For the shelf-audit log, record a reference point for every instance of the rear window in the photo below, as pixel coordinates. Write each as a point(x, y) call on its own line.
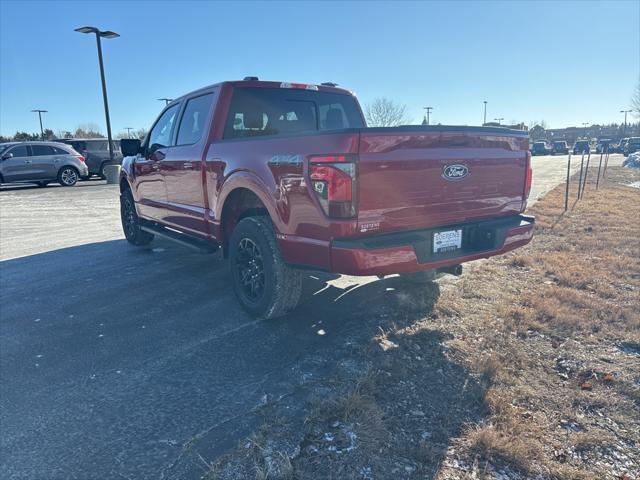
point(60, 151)
point(97, 146)
point(284, 111)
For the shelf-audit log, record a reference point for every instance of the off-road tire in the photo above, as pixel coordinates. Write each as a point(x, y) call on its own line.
point(131, 223)
point(422, 277)
point(68, 176)
point(281, 284)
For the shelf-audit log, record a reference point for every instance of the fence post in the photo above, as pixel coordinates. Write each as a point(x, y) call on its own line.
point(606, 163)
point(600, 166)
point(580, 179)
point(566, 190)
point(586, 172)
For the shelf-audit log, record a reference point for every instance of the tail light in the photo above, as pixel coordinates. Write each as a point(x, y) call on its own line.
point(333, 179)
point(80, 157)
point(528, 176)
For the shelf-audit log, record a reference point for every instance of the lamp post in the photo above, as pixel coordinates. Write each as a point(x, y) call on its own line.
point(40, 112)
point(128, 129)
point(102, 34)
point(498, 120)
point(584, 129)
point(485, 112)
point(624, 129)
point(166, 100)
point(428, 109)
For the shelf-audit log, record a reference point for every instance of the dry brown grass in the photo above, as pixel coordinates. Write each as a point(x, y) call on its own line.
point(491, 380)
point(562, 401)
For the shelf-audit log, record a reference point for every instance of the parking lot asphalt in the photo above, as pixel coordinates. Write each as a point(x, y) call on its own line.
point(118, 362)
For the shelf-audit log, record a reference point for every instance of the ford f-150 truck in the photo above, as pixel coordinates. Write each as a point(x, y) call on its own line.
point(285, 177)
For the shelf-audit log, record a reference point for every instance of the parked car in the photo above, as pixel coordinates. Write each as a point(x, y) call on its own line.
point(560, 147)
point(581, 146)
point(604, 145)
point(622, 144)
point(540, 148)
point(41, 163)
point(96, 153)
point(631, 145)
point(286, 176)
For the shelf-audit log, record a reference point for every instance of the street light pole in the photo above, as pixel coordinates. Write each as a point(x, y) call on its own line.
point(485, 112)
point(584, 129)
point(166, 100)
point(428, 109)
point(100, 34)
point(40, 112)
point(498, 120)
point(128, 129)
point(624, 129)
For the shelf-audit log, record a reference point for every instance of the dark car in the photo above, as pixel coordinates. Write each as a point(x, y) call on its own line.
point(560, 147)
point(604, 145)
point(632, 145)
point(96, 153)
point(622, 144)
point(581, 146)
point(286, 176)
point(540, 148)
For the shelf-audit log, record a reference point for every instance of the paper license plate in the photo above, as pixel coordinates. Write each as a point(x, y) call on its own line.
point(447, 241)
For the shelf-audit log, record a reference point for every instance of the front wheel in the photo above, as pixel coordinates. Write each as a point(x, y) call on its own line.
point(68, 176)
point(101, 173)
point(131, 223)
point(265, 286)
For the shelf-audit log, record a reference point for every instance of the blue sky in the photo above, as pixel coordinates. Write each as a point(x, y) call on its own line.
point(565, 63)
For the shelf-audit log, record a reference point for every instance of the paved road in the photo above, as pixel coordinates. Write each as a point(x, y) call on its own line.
point(118, 362)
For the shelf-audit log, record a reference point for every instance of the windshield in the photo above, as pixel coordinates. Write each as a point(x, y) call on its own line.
point(4, 146)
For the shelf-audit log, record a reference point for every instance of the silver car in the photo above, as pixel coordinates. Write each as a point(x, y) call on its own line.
point(41, 163)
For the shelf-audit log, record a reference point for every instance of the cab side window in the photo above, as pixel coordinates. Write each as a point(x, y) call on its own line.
point(193, 122)
point(163, 129)
point(41, 150)
point(19, 151)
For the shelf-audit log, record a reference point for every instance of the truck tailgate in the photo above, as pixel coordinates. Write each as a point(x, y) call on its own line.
point(420, 177)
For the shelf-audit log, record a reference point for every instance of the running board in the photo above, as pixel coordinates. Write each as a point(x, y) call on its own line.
point(181, 238)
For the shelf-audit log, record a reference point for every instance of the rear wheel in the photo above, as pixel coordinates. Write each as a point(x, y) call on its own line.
point(265, 286)
point(68, 176)
point(102, 174)
point(131, 223)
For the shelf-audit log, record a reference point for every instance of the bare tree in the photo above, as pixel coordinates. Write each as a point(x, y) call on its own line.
point(140, 133)
point(383, 112)
point(635, 100)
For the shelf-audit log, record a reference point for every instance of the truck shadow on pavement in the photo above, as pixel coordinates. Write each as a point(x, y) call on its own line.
point(140, 363)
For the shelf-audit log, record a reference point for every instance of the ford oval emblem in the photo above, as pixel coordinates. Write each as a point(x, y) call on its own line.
point(455, 172)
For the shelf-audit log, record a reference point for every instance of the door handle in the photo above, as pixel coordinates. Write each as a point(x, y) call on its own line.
point(28, 161)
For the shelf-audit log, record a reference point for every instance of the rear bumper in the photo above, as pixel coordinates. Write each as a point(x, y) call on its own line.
point(413, 251)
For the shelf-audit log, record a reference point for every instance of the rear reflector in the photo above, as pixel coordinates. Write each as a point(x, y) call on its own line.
point(333, 180)
point(80, 157)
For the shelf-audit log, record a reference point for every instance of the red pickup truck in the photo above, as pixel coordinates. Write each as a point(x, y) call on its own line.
point(287, 176)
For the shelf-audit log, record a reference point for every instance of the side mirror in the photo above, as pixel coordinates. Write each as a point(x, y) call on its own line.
point(130, 146)
point(7, 156)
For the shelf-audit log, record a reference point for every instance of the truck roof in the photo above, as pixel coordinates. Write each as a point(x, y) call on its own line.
point(268, 84)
